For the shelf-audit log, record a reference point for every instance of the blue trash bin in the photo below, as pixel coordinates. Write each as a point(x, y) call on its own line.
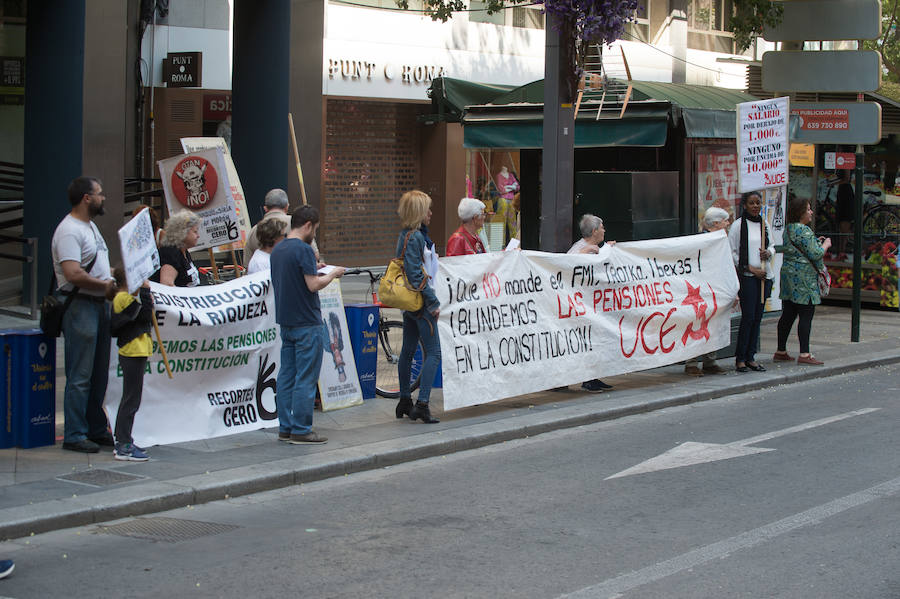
point(7, 425)
point(362, 323)
point(31, 386)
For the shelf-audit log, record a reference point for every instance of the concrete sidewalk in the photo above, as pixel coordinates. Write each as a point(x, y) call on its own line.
point(46, 488)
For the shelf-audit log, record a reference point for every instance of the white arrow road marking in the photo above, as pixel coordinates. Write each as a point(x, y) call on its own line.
point(616, 587)
point(691, 453)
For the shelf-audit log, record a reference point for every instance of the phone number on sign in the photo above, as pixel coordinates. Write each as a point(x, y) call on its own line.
point(826, 125)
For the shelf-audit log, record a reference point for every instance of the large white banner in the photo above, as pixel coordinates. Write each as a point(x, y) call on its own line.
point(224, 351)
point(519, 322)
point(762, 141)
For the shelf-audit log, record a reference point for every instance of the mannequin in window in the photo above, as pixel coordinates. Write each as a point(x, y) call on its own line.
point(508, 187)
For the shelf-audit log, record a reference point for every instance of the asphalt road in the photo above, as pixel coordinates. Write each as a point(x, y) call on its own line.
point(791, 492)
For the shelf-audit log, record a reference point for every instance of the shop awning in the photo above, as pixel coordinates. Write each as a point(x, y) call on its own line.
point(705, 111)
point(449, 97)
point(521, 126)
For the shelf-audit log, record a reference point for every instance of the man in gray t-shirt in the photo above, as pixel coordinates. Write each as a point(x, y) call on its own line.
point(81, 260)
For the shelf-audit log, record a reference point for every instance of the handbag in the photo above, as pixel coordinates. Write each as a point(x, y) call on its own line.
point(53, 310)
point(395, 290)
point(823, 277)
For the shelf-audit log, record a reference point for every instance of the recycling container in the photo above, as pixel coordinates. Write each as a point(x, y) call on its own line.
point(29, 390)
point(362, 322)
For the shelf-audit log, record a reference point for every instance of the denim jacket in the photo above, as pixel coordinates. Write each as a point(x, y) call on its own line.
point(414, 267)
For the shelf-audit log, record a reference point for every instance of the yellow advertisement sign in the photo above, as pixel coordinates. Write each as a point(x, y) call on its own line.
point(803, 155)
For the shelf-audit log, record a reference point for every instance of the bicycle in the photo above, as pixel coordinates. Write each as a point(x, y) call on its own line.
point(390, 340)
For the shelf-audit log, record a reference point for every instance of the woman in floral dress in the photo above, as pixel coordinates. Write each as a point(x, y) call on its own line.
point(799, 285)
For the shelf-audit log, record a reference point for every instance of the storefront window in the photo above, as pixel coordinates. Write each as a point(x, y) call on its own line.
point(716, 179)
point(493, 178)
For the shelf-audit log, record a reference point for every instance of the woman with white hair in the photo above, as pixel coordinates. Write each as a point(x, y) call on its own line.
point(465, 239)
point(714, 219)
point(181, 234)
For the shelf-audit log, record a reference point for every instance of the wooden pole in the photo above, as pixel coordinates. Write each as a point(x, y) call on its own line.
point(297, 159)
point(159, 342)
point(237, 270)
point(212, 262)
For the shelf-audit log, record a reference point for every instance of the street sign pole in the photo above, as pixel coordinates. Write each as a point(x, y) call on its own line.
point(856, 302)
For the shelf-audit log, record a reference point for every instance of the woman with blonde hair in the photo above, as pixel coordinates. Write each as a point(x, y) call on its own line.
point(414, 247)
point(181, 234)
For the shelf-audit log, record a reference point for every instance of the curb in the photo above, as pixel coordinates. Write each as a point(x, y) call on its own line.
point(157, 496)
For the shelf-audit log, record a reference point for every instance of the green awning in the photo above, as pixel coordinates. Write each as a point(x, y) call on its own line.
point(450, 96)
point(522, 127)
point(700, 122)
point(686, 95)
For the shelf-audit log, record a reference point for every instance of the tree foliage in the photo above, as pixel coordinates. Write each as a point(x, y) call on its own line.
point(750, 18)
point(889, 42)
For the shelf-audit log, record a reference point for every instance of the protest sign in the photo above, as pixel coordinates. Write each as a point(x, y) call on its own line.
point(520, 322)
point(763, 146)
point(338, 381)
point(774, 214)
point(224, 350)
point(195, 144)
point(199, 182)
point(139, 254)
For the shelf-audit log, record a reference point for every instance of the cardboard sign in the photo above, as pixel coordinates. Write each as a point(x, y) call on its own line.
point(139, 253)
point(762, 140)
point(199, 182)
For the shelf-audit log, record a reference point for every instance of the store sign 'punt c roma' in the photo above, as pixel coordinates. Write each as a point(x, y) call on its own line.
point(194, 182)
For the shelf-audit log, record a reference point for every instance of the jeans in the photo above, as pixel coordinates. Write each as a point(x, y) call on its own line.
point(751, 315)
point(789, 312)
point(295, 388)
point(424, 328)
point(132, 389)
point(85, 328)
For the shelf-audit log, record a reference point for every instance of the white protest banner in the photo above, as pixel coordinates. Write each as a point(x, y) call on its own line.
point(520, 322)
point(338, 381)
point(763, 146)
point(139, 253)
point(199, 182)
point(195, 144)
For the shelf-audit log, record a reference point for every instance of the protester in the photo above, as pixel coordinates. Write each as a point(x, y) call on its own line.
point(81, 260)
point(131, 322)
point(176, 267)
point(6, 567)
point(748, 253)
point(592, 239)
point(275, 207)
point(268, 233)
point(296, 283)
point(799, 280)
point(415, 211)
point(714, 219)
point(465, 239)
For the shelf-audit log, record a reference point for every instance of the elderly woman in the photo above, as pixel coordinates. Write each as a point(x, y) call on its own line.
point(750, 247)
point(465, 239)
point(714, 219)
point(268, 233)
point(415, 212)
point(181, 234)
point(799, 280)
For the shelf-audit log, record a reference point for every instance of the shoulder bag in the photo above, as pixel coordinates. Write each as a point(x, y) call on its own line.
point(53, 310)
point(823, 277)
point(395, 290)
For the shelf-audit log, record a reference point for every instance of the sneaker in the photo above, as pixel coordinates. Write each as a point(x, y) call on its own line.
point(129, 452)
point(6, 567)
point(83, 446)
point(810, 359)
point(284, 436)
point(782, 356)
point(595, 386)
point(692, 370)
point(310, 438)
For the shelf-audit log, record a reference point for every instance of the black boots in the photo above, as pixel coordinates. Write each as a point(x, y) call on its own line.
point(403, 407)
point(421, 410)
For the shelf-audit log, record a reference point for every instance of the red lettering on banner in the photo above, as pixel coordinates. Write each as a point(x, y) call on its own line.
point(576, 306)
point(644, 336)
point(663, 331)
